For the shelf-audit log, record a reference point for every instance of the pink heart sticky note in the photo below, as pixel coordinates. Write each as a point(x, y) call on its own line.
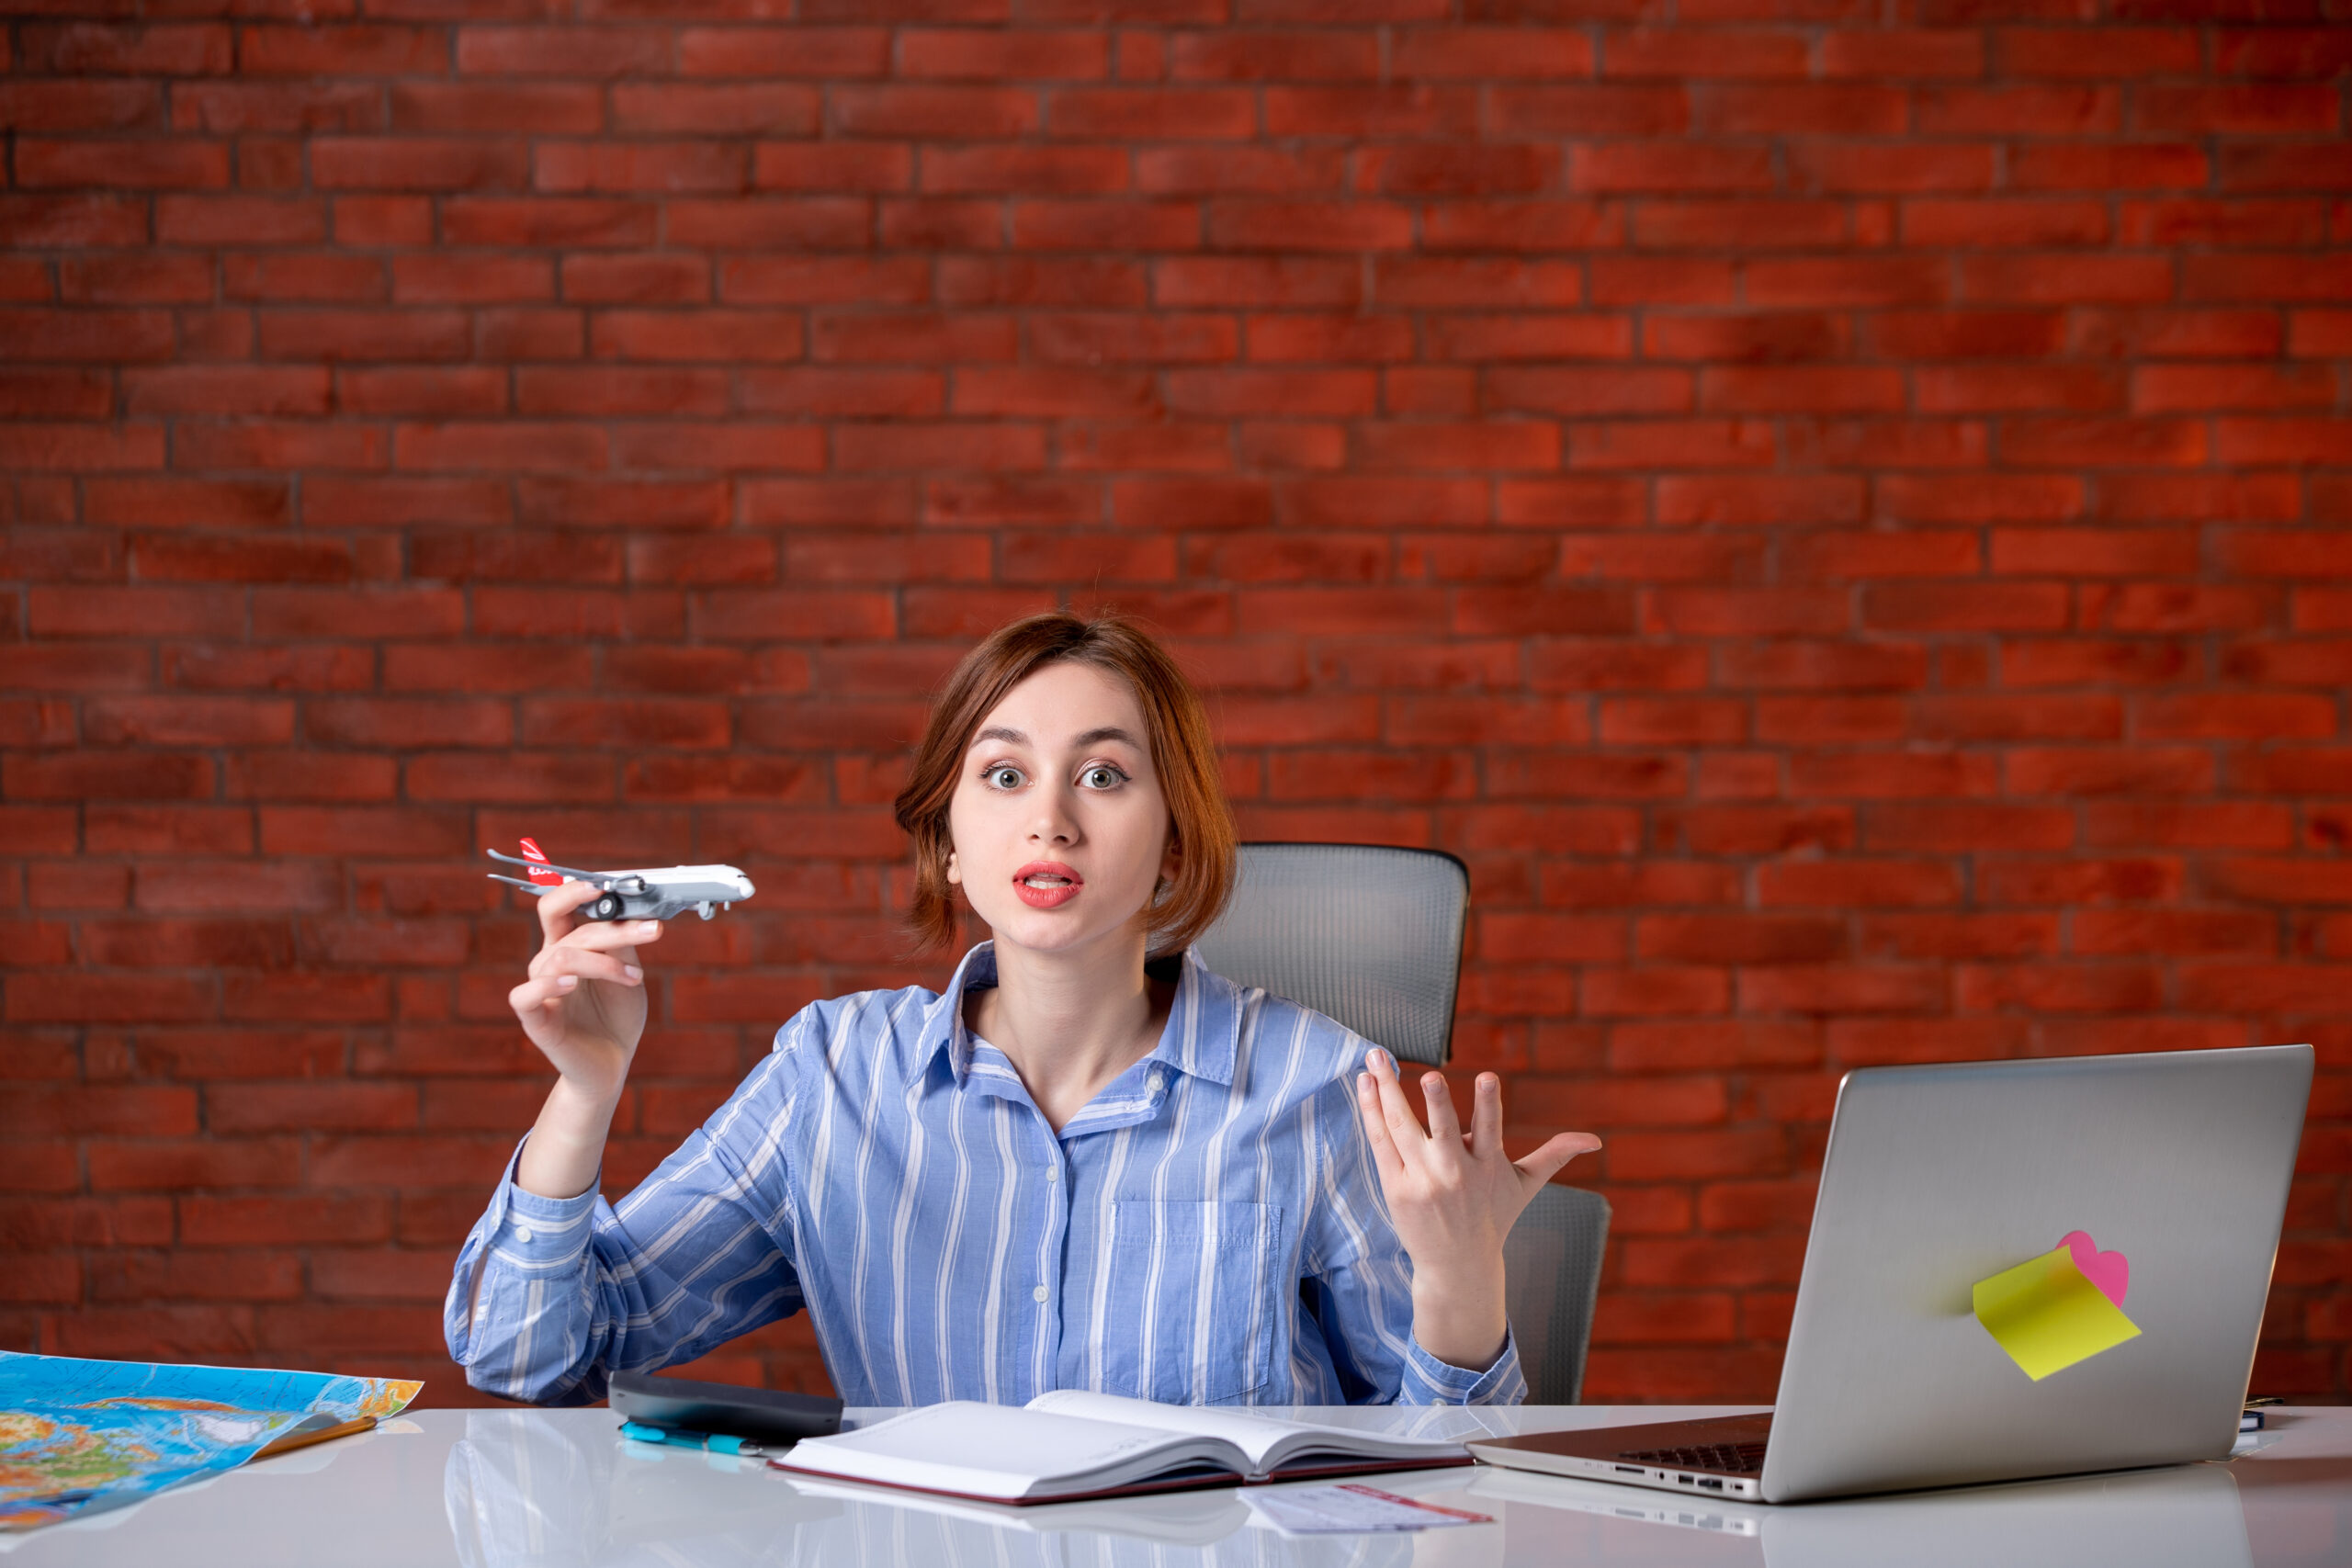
point(2110, 1271)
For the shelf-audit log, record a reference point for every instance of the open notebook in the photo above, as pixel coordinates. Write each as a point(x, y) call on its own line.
point(1067, 1445)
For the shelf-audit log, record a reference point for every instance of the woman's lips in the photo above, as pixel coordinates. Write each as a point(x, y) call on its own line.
point(1047, 884)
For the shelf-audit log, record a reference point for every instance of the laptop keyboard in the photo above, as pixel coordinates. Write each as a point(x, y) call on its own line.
point(1731, 1459)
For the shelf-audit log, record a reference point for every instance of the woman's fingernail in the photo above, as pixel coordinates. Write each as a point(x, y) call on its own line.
point(565, 982)
point(649, 925)
point(632, 971)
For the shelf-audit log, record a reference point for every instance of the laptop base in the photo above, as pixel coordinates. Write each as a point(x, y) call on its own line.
point(1719, 1457)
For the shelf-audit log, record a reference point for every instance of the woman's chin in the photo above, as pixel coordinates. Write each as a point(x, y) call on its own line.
point(1064, 929)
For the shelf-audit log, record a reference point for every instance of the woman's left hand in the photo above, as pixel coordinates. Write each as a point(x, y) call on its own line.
point(1454, 1198)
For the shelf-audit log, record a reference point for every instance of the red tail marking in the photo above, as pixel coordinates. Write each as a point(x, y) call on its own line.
point(531, 851)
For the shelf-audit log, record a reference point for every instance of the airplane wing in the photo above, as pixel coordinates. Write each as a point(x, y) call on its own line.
point(572, 871)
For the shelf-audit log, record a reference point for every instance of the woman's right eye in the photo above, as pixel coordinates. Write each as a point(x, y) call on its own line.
point(1003, 777)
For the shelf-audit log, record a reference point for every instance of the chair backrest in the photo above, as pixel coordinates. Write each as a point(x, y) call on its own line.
point(1550, 1277)
point(1371, 934)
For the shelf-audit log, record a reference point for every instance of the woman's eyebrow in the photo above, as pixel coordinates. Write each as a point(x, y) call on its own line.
point(1015, 738)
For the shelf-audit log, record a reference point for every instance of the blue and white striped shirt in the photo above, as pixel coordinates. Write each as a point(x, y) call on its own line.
point(1209, 1229)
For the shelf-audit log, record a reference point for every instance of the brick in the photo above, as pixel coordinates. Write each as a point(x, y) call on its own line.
point(1024, 170)
point(1890, 168)
point(635, 279)
point(1473, 53)
point(164, 48)
point(549, 108)
point(929, 111)
point(1938, 827)
point(1218, 169)
point(227, 390)
point(1309, 226)
point(662, 166)
point(604, 51)
point(415, 164)
point(2086, 882)
point(569, 221)
point(79, 106)
point(2081, 279)
point(2281, 52)
point(1537, 225)
point(2268, 109)
point(182, 165)
point(813, 51)
point(986, 56)
point(764, 108)
point(1589, 110)
point(1447, 170)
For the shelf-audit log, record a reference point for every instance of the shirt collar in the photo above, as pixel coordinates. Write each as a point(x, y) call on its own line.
point(1202, 1037)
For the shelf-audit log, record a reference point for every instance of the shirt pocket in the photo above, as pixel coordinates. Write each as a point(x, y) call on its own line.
point(1195, 1299)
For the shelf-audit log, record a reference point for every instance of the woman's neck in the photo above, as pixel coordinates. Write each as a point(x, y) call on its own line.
point(1070, 1021)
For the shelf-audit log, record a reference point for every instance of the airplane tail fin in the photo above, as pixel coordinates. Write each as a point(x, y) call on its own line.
point(531, 851)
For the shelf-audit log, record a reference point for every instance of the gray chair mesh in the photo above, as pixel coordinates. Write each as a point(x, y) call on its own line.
point(1551, 1276)
point(1368, 934)
point(1371, 934)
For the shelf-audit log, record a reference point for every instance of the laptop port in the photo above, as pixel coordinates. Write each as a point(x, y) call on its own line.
point(1685, 1480)
point(1710, 1483)
point(1629, 1469)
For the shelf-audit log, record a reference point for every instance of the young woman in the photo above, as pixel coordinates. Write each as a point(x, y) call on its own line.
point(1079, 1166)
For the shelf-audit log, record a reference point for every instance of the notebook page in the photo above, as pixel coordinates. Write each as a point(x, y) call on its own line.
point(1269, 1441)
point(993, 1450)
point(1253, 1434)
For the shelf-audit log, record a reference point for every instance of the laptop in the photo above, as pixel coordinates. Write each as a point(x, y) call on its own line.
point(1937, 1179)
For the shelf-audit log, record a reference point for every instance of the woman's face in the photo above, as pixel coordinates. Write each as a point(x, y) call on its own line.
point(1059, 831)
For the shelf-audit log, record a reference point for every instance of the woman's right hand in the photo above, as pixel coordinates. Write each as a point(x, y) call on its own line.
point(583, 1006)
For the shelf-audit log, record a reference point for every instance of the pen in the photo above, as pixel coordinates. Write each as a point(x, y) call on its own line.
point(713, 1442)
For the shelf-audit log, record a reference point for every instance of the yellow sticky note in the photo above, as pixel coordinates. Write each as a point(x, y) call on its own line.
point(2048, 1315)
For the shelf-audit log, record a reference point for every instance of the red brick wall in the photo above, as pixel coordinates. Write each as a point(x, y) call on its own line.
point(1845, 525)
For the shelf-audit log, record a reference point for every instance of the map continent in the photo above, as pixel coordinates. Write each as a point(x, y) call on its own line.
point(79, 1436)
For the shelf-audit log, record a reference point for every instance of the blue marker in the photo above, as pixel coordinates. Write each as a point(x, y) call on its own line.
point(712, 1442)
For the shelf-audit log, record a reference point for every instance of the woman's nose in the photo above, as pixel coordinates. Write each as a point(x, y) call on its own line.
point(1055, 822)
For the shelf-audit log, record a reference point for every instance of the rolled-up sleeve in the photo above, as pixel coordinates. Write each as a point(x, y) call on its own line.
point(551, 1296)
point(1365, 1304)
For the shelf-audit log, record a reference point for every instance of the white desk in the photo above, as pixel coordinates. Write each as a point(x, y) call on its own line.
point(511, 1488)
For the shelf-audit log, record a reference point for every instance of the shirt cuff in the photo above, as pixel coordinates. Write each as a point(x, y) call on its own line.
point(528, 1229)
point(1429, 1381)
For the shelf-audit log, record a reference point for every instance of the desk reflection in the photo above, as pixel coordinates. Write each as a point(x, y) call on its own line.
point(521, 1492)
point(522, 1489)
point(2186, 1517)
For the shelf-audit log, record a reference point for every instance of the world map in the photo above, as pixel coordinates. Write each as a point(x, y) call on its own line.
point(77, 1435)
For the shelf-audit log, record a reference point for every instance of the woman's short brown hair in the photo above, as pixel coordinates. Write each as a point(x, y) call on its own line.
point(1200, 824)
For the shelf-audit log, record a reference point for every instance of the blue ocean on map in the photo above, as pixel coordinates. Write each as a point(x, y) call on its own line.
point(79, 1436)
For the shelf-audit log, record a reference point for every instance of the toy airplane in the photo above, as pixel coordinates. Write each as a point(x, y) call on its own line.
point(649, 894)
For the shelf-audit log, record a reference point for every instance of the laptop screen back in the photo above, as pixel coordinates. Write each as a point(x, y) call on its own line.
point(1938, 1177)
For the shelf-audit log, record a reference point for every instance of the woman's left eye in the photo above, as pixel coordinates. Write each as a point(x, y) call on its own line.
point(1003, 778)
point(1102, 777)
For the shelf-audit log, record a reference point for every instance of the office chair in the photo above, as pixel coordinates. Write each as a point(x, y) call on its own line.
point(1372, 935)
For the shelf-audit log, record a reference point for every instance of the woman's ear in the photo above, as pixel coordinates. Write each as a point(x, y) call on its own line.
point(1170, 863)
point(955, 877)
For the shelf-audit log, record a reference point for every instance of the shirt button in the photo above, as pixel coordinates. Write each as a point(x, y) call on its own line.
point(1041, 1293)
point(522, 1232)
point(1053, 1173)
point(1155, 1081)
